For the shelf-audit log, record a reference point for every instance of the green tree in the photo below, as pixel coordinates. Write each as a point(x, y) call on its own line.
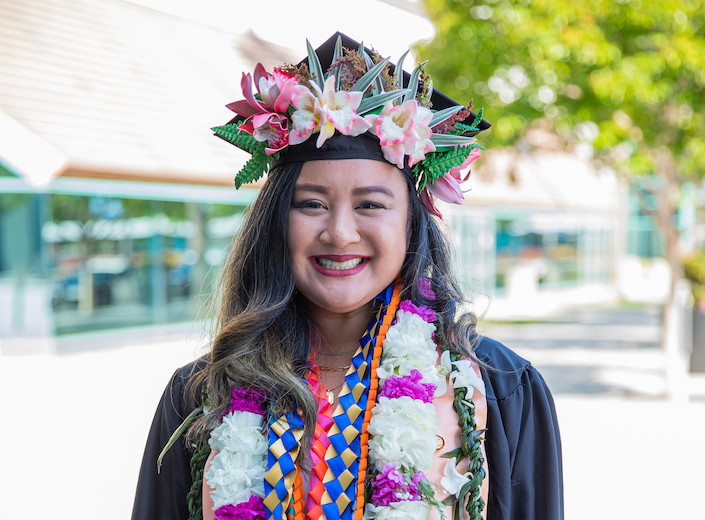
point(623, 78)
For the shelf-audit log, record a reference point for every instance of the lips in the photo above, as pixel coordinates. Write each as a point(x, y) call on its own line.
point(339, 265)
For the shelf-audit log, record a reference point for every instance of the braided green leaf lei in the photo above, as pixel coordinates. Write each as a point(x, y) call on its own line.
point(470, 446)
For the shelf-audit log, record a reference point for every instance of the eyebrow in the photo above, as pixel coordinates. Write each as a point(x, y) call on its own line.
point(362, 190)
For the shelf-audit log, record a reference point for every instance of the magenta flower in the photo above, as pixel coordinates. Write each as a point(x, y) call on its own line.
point(391, 486)
point(425, 312)
point(411, 386)
point(248, 399)
point(266, 119)
point(253, 509)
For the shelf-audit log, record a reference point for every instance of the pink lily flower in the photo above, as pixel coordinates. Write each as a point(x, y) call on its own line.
point(303, 120)
point(275, 90)
point(325, 113)
point(447, 188)
point(394, 127)
point(266, 119)
point(417, 149)
point(268, 127)
point(427, 201)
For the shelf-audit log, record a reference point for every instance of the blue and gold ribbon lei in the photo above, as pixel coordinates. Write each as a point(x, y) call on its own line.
point(344, 452)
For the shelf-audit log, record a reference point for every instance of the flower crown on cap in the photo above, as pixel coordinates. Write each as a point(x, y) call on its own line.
point(360, 93)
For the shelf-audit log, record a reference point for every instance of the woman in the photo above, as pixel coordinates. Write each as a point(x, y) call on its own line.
point(344, 381)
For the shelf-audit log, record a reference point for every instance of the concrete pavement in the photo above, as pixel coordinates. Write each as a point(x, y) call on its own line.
point(629, 451)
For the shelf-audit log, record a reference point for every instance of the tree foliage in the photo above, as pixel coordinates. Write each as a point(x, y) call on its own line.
point(624, 79)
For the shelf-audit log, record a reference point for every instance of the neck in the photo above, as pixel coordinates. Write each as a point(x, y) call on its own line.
point(340, 333)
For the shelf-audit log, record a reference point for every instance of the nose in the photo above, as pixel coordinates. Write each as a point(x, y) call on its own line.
point(341, 229)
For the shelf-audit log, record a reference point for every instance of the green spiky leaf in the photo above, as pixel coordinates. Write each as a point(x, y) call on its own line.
point(451, 140)
point(370, 103)
point(414, 82)
point(379, 86)
point(239, 138)
point(442, 115)
point(314, 64)
point(174, 437)
point(337, 54)
point(399, 71)
point(371, 75)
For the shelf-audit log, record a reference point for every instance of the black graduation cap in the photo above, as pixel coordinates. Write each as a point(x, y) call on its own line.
point(439, 101)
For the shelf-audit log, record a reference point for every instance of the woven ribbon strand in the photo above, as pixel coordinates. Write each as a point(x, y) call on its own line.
point(319, 446)
point(345, 452)
point(285, 436)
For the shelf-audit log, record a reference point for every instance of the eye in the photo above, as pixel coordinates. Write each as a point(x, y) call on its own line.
point(370, 205)
point(308, 204)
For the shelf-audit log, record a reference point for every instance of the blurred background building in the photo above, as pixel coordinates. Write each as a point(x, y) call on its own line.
point(117, 205)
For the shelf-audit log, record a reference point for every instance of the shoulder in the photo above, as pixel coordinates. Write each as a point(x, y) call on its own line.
point(506, 372)
point(177, 388)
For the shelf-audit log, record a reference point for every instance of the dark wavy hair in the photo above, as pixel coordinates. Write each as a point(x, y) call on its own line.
point(263, 334)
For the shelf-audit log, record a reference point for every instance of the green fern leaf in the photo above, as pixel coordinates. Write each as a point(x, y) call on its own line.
point(255, 168)
point(439, 164)
point(233, 135)
point(478, 119)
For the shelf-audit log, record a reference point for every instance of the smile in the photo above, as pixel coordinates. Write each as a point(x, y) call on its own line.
point(331, 264)
point(339, 265)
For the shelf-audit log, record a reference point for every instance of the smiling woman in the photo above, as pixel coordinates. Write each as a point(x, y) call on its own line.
point(345, 380)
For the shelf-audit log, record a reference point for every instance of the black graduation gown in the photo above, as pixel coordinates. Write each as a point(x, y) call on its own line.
point(522, 444)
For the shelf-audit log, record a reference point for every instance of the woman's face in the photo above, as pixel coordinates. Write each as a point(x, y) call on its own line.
point(347, 231)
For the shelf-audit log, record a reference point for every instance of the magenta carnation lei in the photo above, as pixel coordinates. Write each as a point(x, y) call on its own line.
point(248, 399)
point(399, 386)
point(253, 509)
point(391, 486)
point(428, 315)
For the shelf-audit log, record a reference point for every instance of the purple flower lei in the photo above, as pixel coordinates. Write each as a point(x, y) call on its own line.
point(392, 486)
point(248, 399)
point(399, 386)
point(253, 509)
point(427, 314)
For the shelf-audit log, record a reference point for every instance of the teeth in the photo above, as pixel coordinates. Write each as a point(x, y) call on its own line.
point(330, 264)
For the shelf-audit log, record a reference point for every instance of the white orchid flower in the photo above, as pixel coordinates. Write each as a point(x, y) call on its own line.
point(461, 375)
point(452, 481)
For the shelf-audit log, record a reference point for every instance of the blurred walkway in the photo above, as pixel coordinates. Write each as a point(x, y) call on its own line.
point(75, 423)
point(628, 450)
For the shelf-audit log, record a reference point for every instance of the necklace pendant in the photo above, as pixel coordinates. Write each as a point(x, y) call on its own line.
point(330, 396)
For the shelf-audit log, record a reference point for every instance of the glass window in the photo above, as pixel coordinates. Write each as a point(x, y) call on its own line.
point(124, 262)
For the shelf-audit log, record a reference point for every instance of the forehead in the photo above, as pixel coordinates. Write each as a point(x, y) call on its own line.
point(349, 174)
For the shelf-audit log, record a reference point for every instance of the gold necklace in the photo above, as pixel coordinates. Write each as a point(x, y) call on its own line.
point(330, 394)
point(334, 369)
